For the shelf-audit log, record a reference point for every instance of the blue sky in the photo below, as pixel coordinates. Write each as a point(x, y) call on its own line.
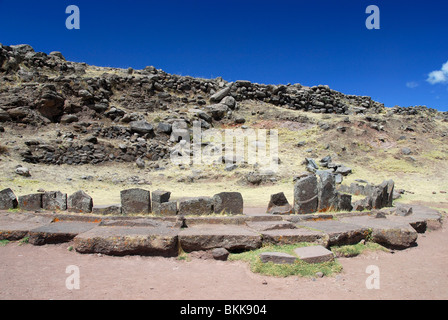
point(271, 42)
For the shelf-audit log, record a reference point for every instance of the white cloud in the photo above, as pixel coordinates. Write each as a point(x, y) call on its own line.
point(412, 84)
point(439, 76)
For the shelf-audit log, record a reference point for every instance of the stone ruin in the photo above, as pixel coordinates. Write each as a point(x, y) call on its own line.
point(133, 201)
point(313, 193)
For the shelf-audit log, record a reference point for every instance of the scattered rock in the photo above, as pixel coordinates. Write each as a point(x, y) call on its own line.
point(220, 254)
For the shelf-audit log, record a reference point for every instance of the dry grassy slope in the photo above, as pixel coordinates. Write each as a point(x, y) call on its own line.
point(373, 155)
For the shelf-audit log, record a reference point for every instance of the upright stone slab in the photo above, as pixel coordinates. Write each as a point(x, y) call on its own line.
point(8, 199)
point(31, 202)
point(54, 200)
point(228, 202)
point(80, 202)
point(326, 191)
point(343, 202)
point(279, 205)
point(196, 206)
point(305, 195)
point(135, 201)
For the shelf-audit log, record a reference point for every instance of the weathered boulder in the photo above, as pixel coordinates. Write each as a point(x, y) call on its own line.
point(228, 202)
point(229, 101)
point(23, 171)
point(80, 202)
point(305, 195)
point(326, 191)
point(135, 201)
point(220, 254)
point(54, 200)
point(343, 202)
point(362, 204)
point(31, 202)
point(218, 111)
point(279, 204)
point(4, 116)
point(196, 206)
point(51, 103)
point(8, 199)
point(142, 127)
point(218, 96)
point(382, 195)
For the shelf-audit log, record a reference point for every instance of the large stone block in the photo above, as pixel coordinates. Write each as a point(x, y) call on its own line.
point(58, 232)
point(122, 241)
point(164, 208)
point(8, 199)
point(31, 202)
point(135, 201)
point(305, 195)
point(54, 200)
point(228, 202)
point(196, 206)
point(80, 202)
point(206, 237)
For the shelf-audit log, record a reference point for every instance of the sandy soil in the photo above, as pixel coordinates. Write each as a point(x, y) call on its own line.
point(29, 272)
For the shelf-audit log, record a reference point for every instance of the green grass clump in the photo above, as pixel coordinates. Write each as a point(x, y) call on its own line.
point(356, 249)
point(4, 243)
point(299, 268)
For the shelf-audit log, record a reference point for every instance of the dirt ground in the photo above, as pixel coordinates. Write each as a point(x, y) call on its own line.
point(29, 272)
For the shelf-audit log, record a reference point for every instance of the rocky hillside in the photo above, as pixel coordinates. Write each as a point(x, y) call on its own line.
point(58, 112)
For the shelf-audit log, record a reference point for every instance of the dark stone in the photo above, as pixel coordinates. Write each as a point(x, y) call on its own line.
point(80, 202)
point(31, 202)
point(8, 200)
point(164, 208)
point(54, 200)
point(326, 190)
point(135, 201)
point(228, 202)
point(305, 195)
point(220, 254)
point(279, 205)
point(160, 196)
point(196, 206)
